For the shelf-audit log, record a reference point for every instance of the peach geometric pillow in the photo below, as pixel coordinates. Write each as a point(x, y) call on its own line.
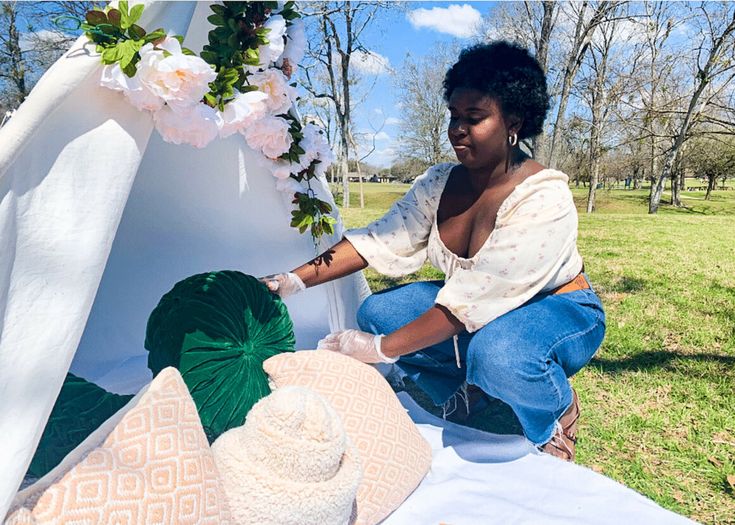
point(149, 463)
point(394, 455)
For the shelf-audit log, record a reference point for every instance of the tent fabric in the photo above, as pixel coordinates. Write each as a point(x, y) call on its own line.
point(478, 477)
point(99, 218)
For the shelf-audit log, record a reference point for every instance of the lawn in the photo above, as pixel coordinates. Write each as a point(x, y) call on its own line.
point(658, 400)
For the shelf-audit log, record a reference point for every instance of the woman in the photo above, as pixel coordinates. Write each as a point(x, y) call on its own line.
point(515, 315)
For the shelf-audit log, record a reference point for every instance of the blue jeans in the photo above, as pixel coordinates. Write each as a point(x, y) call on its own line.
point(523, 357)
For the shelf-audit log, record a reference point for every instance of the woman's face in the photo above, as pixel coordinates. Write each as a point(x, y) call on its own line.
point(478, 130)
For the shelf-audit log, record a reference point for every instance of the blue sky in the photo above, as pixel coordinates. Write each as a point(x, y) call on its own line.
point(415, 31)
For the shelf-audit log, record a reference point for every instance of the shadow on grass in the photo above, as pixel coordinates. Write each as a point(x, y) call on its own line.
point(658, 359)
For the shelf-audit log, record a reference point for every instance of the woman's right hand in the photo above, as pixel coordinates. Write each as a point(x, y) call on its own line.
point(284, 284)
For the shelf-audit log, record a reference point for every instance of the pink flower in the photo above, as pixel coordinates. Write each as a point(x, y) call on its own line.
point(181, 80)
point(241, 112)
point(196, 125)
point(137, 94)
point(269, 135)
point(275, 85)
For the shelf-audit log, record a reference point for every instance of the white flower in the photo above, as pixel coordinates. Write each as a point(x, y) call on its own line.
point(196, 125)
point(181, 80)
point(282, 170)
point(270, 52)
point(315, 147)
point(295, 43)
point(289, 185)
point(137, 94)
point(275, 85)
point(242, 111)
point(270, 136)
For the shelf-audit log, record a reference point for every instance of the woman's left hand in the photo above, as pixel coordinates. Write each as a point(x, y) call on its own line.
point(360, 345)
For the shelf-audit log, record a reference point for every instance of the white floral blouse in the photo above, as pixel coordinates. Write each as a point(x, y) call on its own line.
point(532, 249)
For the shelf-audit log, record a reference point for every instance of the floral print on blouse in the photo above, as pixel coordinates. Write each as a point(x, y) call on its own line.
point(532, 249)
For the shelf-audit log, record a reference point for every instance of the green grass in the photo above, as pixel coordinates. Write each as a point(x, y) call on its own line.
point(658, 400)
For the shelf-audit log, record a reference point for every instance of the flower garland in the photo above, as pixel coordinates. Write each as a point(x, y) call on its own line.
point(238, 84)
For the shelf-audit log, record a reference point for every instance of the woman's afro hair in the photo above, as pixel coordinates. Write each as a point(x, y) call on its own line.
point(508, 73)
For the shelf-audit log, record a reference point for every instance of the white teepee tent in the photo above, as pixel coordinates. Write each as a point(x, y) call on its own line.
point(99, 218)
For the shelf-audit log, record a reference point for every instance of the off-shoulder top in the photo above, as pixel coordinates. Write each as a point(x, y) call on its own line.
point(532, 249)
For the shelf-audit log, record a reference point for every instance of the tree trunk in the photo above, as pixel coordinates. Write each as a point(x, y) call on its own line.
point(711, 183)
point(704, 77)
point(542, 54)
point(594, 177)
point(675, 190)
point(16, 72)
point(359, 180)
point(583, 32)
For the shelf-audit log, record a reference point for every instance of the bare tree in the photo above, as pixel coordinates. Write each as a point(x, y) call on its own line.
point(13, 67)
point(338, 29)
point(713, 158)
point(530, 24)
point(30, 42)
point(600, 97)
point(714, 65)
point(423, 109)
point(585, 24)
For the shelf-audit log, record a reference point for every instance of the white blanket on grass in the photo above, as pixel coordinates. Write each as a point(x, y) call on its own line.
point(477, 478)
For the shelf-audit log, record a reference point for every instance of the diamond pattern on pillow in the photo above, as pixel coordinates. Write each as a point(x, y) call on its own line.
point(394, 455)
point(154, 467)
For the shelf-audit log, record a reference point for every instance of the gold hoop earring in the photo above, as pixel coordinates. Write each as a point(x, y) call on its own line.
point(513, 139)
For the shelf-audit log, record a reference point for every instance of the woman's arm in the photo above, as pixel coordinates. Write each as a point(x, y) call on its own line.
point(434, 326)
point(339, 260)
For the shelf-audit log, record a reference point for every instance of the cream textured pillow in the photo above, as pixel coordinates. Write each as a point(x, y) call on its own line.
point(395, 458)
point(149, 463)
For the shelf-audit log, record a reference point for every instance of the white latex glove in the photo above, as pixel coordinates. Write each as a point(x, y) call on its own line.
point(284, 284)
point(359, 345)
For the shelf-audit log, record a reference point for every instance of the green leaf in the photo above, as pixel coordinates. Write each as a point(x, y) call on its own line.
point(233, 42)
point(217, 20)
point(128, 50)
point(232, 24)
point(154, 35)
point(209, 57)
point(130, 70)
point(187, 51)
point(111, 55)
point(122, 5)
point(135, 13)
point(218, 9)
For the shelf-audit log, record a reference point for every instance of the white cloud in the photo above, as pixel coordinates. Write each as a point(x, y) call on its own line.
point(462, 21)
point(370, 62)
point(369, 136)
point(381, 158)
point(30, 40)
point(393, 121)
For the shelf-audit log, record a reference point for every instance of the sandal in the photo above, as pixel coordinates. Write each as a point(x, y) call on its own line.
point(563, 443)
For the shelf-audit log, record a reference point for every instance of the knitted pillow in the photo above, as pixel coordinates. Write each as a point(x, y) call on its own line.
point(290, 463)
point(149, 463)
point(217, 328)
point(395, 457)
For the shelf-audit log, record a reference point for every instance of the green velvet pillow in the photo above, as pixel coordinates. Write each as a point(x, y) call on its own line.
point(217, 328)
point(79, 410)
